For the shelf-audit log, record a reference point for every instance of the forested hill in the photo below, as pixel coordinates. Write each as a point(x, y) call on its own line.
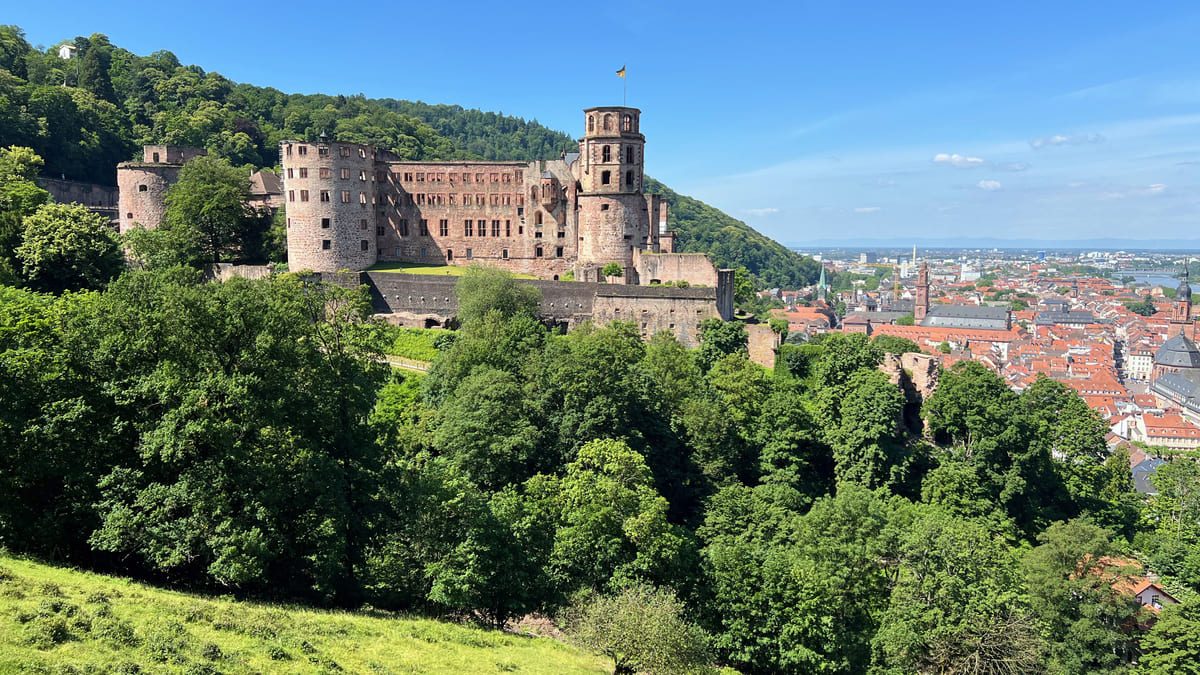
point(115, 101)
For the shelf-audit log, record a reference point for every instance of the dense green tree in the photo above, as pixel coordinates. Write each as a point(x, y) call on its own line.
point(207, 207)
point(65, 247)
point(1173, 643)
point(484, 289)
point(867, 439)
point(1083, 618)
point(1172, 517)
point(720, 338)
point(890, 344)
point(642, 629)
point(956, 604)
point(485, 431)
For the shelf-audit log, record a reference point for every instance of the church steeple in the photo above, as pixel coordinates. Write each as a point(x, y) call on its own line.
point(1181, 309)
point(822, 286)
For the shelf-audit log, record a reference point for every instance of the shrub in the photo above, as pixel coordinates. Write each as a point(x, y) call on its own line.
point(115, 632)
point(211, 651)
point(166, 642)
point(45, 632)
point(277, 653)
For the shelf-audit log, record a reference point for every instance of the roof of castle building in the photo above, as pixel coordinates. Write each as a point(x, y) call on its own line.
point(1178, 352)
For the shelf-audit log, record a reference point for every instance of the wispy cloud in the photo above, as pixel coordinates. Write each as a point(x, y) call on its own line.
point(867, 209)
point(957, 160)
point(1011, 166)
point(989, 185)
point(765, 211)
point(1063, 139)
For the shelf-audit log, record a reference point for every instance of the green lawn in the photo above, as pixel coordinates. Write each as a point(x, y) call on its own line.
point(414, 343)
point(419, 268)
point(55, 620)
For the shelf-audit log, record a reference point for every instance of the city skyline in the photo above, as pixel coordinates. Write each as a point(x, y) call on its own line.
point(1025, 122)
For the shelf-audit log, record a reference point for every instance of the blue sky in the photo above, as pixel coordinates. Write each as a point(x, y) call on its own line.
point(809, 120)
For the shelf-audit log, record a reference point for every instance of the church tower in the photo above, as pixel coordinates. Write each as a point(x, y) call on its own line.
point(614, 216)
point(1181, 310)
point(921, 303)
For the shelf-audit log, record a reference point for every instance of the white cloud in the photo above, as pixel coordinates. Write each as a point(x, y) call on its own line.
point(1155, 189)
point(867, 209)
point(1012, 166)
point(766, 211)
point(1061, 139)
point(989, 185)
point(960, 161)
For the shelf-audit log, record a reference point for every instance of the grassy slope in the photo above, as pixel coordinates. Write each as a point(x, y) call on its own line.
point(60, 620)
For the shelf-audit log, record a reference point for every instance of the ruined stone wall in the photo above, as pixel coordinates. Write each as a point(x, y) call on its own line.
point(762, 343)
point(170, 154)
point(694, 268)
point(142, 193)
point(330, 192)
point(493, 213)
point(74, 192)
point(430, 300)
point(610, 228)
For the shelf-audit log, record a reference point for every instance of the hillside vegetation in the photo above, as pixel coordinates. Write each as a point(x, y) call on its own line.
point(117, 101)
point(54, 619)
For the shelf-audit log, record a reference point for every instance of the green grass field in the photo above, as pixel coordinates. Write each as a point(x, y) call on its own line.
point(56, 620)
point(419, 268)
point(414, 343)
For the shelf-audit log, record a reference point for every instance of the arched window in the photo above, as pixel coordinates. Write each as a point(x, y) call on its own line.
point(449, 254)
point(627, 123)
point(591, 122)
point(533, 193)
point(605, 177)
point(629, 178)
point(607, 122)
point(537, 218)
point(606, 154)
point(629, 154)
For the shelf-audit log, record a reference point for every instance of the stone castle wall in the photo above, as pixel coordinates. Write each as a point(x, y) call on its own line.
point(694, 268)
point(330, 192)
point(427, 300)
point(91, 195)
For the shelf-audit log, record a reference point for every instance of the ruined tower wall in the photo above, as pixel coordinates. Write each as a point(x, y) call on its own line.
point(142, 191)
point(330, 191)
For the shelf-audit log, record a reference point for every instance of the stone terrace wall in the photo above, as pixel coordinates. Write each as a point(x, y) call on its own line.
point(694, 268)
point(429, 300)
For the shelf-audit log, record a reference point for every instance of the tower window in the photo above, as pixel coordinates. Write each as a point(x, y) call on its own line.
point(537, 252)
point(629, 178)
point(325, 244)
point(558, 252)
point(629, 155)
point(591, 123)
point(627, 123)
point(605, 177)
point(607, 122)
point(363, 245)
point(606, 154)
point(142, 188)
point(156, 158)
point(537, 218)
point(324, 223)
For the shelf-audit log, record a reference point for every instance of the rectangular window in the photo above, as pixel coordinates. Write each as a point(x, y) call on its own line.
point(289, 173)
point(478, 178)
point(325, 172)
point(504, 254)
point(325, 223)
point(344, 174)
point(304, 195)
point(495, 200)
point(444, 227)
point(562, 234)
point(362, 199)
point(421, 198)
point(303, 149)
point(470, 254)
point(480, 200)
point(420, 178)
point(362, 175)
point(468, 228)
point(482, 228)
point(408, 176)
point(325, 245)
point(507, 178)
point(345, 196)
point(404, 227)
point(362, 224)
point(508, 228)
point(496, 226)
point(289, 149)
point(452, 199)
point(378, 230)
point(495, 178)
point(466, 200)
point(558, 252)
point(506, 198)
point(291, 195)
point(324, 195)
point(424, 228)
point(466, 178)
point(363, 245)
point(323, 152)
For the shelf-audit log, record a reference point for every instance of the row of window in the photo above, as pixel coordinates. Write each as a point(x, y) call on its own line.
point(363, 245)
point(322, 151)
point(538, 252)
point(441, 177)
point(606, 178)
point(325, 196)
point(454, 199)
point(606, 154)
point(626, 122)
point(325, 172)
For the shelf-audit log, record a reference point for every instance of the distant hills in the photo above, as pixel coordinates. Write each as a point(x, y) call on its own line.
point(1110, 243)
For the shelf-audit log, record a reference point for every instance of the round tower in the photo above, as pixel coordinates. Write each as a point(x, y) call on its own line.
point(614, 218)
point(142, 193)
point(329, 190)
